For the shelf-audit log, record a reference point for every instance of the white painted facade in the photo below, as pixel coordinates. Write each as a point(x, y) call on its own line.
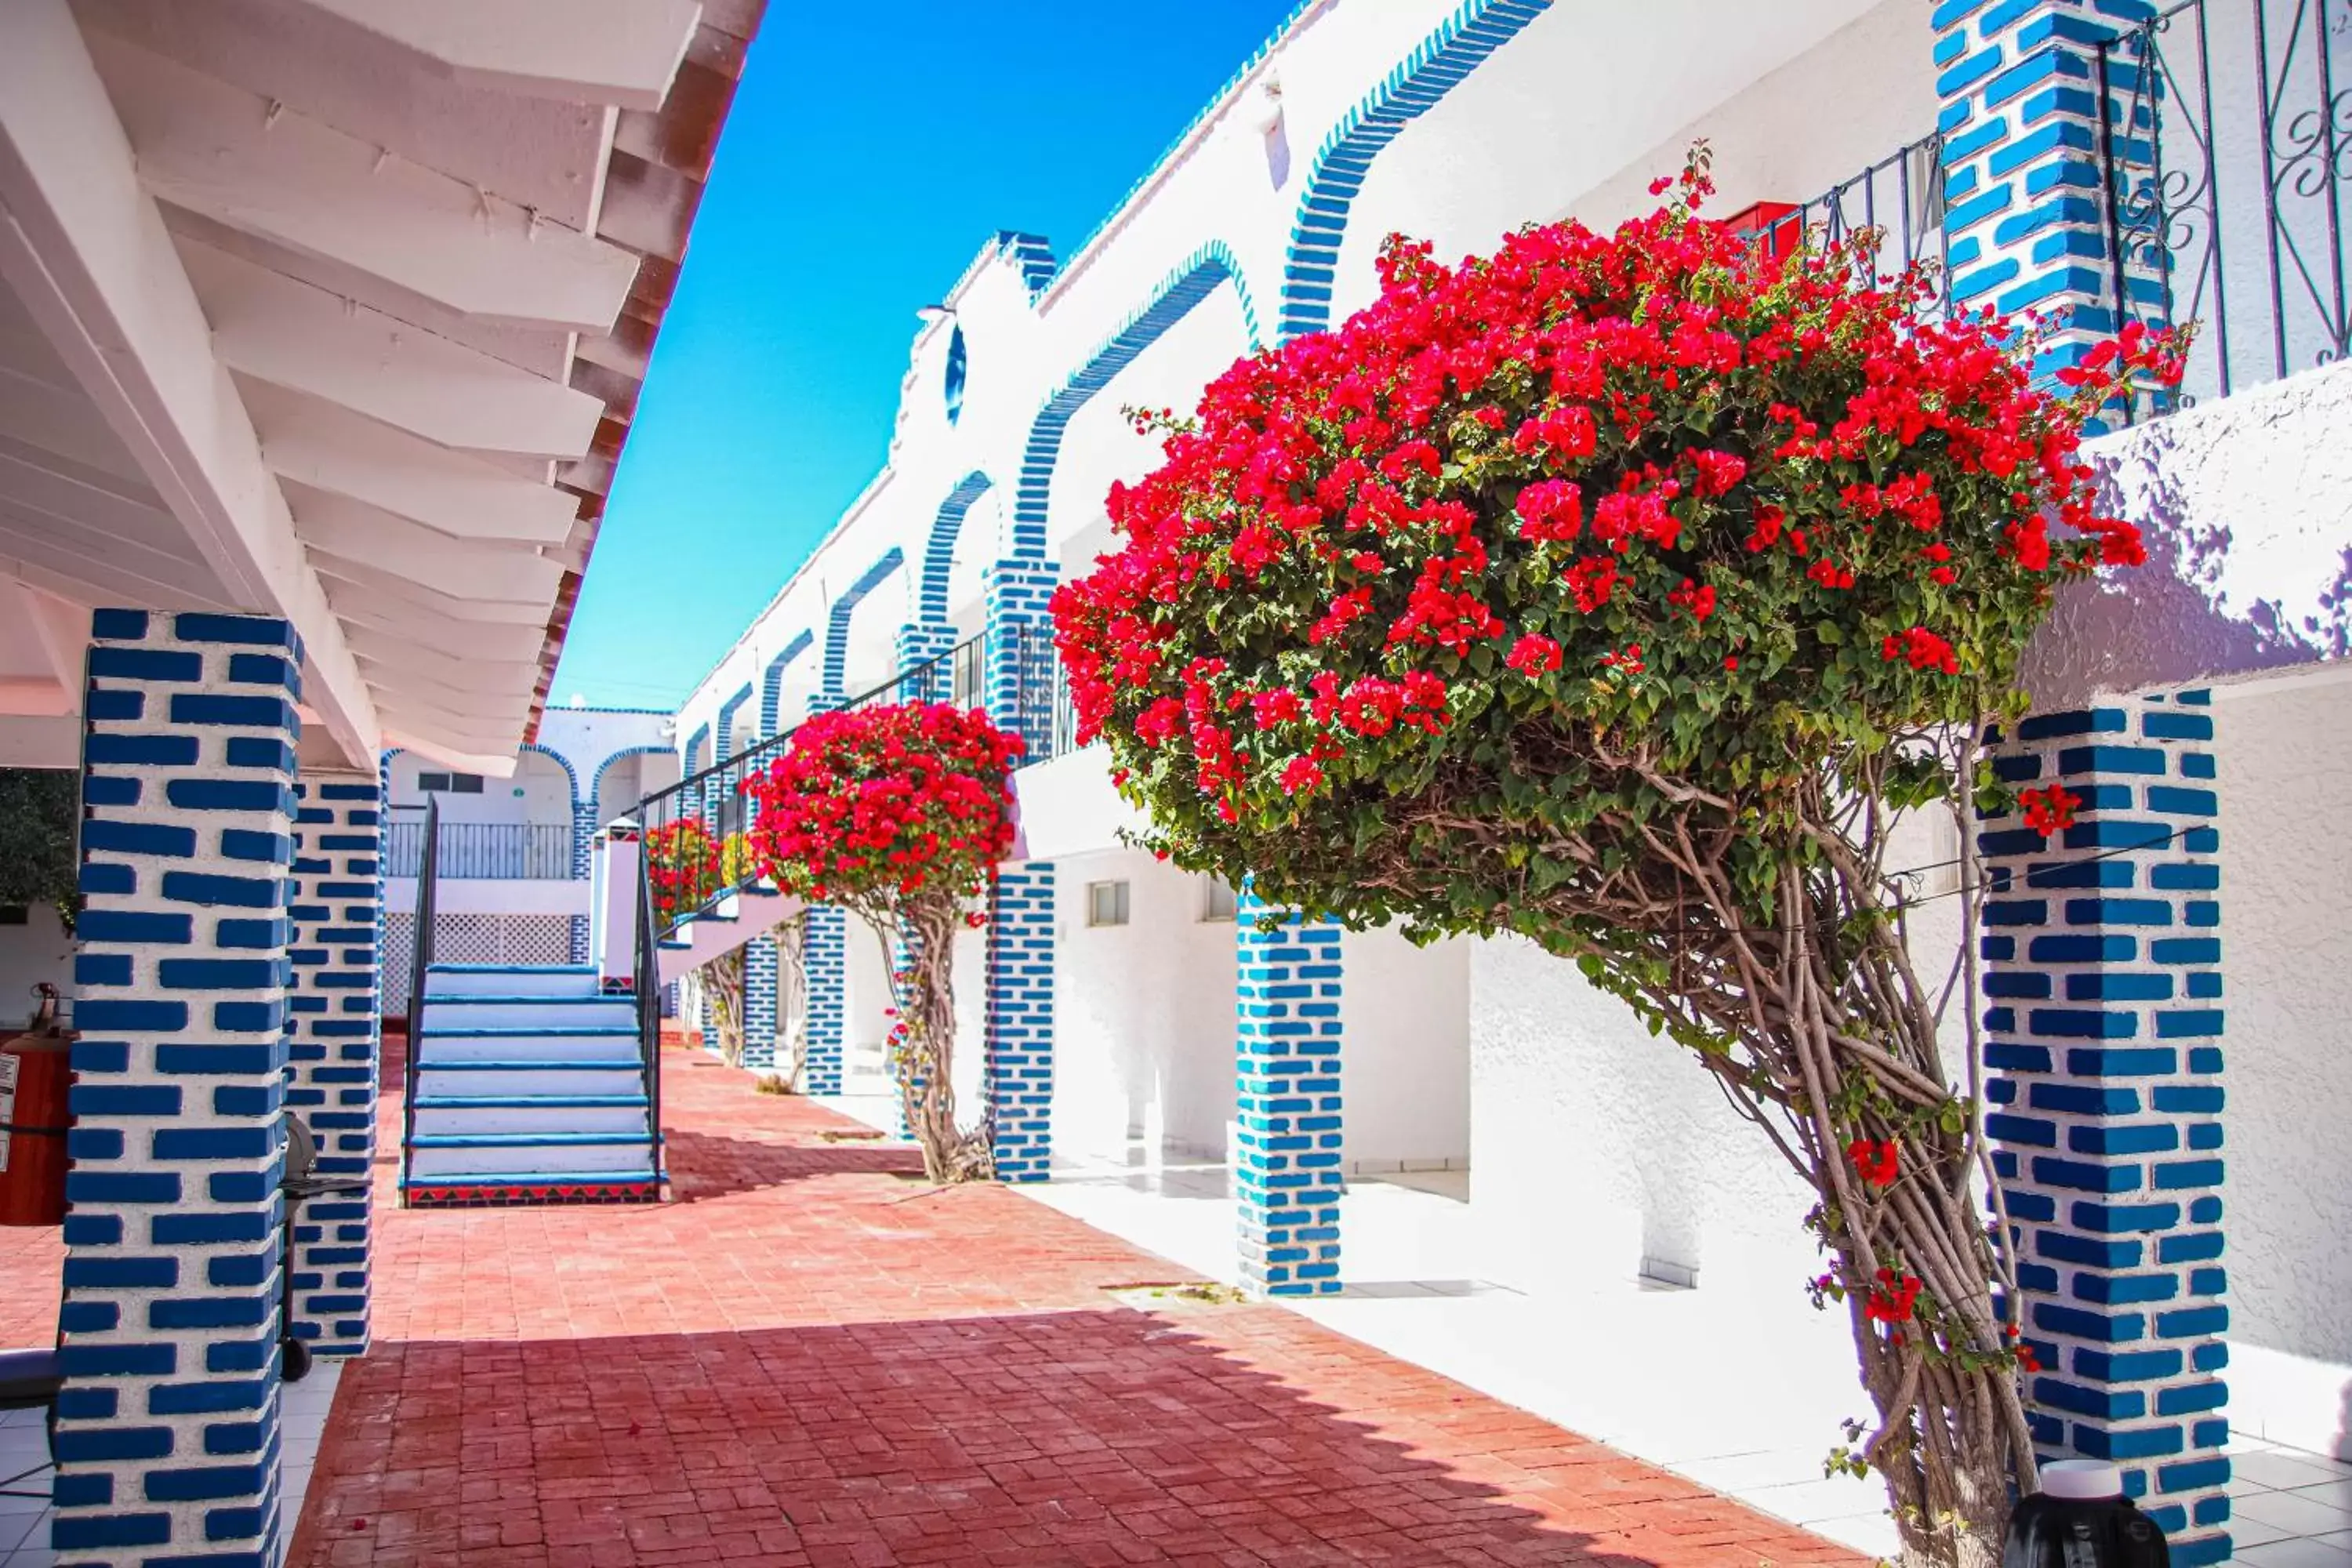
point(1594, 1149)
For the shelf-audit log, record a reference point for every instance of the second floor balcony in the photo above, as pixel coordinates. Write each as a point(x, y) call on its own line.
point(482, 852)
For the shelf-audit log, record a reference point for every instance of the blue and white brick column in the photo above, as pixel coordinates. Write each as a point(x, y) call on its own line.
point(168, 1426)
point(825, 958)
point(1288, 1176)
point(2103, 1025)
point(333, 1042)
point(1020, 1045)
point(919, 642)
point(1018, 681)
point(2025, 218)
point(584, 840)
point(760, 1003)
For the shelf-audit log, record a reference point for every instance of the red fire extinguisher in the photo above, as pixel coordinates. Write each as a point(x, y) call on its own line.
point(33, 1117)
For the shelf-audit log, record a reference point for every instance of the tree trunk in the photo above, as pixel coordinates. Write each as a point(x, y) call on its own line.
point(723, 978)
point(791, 1006)
point(922, 1053)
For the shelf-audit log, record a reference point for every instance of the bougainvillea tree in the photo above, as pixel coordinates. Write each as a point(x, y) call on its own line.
point(1621, 592)
point(687, 866)
point(899, 814)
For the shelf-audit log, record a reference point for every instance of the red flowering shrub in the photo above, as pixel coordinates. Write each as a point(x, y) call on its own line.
point(687, 867)
point(1619, 591)
point(898, 814)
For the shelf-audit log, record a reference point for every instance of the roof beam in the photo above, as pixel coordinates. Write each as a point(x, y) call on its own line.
point(623, 52)
point(400, 656)
point(357, 532)
point(407, 622)
point(266, 324)
point(328, 448)
point(489, 765)
point(62, 628)
point(87, 252)
point(403, 682)
point(227, 155)
point(393, 587)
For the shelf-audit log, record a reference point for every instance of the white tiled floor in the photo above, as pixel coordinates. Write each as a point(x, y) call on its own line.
point(2289, 1508)
point(1739, 1393)
point(25, 1522)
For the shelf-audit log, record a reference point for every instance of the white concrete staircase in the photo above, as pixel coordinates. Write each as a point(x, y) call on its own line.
point(530, 1087)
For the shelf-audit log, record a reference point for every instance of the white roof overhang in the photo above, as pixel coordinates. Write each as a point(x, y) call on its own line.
point(338, 311)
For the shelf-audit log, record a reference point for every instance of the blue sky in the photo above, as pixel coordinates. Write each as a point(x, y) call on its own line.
point(870, 152)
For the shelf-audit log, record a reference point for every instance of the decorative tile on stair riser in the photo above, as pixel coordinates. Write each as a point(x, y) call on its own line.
point(459, 1196)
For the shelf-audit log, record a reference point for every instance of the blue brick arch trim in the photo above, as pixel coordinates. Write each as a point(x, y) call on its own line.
point(771, 685)
point(1194, 281)
point(571, 773)
point(725, 745)
point(836, 620)
point(1032, 254)
point(596, 790)
point(698, 750)
point(1341, 164)
point(938, 550)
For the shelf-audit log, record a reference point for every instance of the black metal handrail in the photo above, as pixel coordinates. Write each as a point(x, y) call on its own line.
point(1900, 198)
point(646, 979)
point(2225, 142)
point(420, 962)
point(524, 851)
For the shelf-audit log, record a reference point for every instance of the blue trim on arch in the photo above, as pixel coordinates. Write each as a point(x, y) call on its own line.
point(597, 792)
point(939, 551)
point(695, 761)
point(1417, 85)
point(837, 627)
point(771, 685)
point(724, 744)
point(1171, 302)
point(562, 761)
point(1032, 254)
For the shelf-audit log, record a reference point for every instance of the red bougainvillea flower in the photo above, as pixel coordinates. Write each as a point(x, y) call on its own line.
point(1770, 485)
point(1924, 648)
point(1534, 655)
point(2048, 810)
point(1892, 1298)
point(885, 801)
point(1878, 1162)
point(685, 864)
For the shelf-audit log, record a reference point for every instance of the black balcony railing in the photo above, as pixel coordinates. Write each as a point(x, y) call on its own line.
point(1899, 200)
point(477, 851)
point(2226, 143)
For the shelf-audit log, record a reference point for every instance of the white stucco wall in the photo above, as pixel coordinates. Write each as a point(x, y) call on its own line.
point(2285, 780)
point(1143, 1022)
point(1599, 1146)
point(1405, 1012)
point(2246, 506)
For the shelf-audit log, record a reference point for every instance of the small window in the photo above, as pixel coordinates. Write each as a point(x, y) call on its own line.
point(450, 783)
point(1217, 900)
point(15, 914)
point(1106, 903)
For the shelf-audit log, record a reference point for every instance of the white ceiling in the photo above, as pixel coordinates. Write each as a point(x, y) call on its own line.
point(336, 310)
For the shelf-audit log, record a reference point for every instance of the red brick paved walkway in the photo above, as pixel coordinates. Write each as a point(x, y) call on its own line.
point(810, 1359)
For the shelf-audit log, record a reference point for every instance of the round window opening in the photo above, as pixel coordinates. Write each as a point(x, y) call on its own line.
point(956, 366)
